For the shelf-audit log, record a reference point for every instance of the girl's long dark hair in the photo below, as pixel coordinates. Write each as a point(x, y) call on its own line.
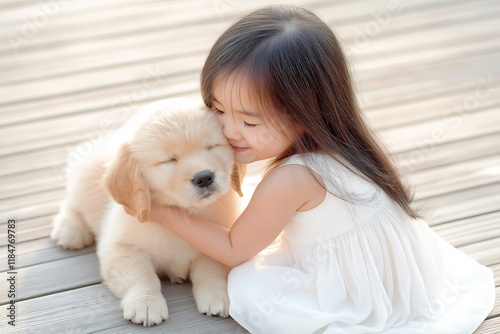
point(296, 66)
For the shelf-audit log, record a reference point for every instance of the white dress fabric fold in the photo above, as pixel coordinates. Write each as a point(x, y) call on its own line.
point(357, 263)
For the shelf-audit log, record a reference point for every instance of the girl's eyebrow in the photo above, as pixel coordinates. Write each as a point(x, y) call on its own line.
point(244, 112)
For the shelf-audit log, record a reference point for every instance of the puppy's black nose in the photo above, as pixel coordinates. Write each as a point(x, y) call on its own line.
point(203, 179)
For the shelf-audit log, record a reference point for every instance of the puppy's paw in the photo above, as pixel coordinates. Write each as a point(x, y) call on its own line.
point(213, 302)
point(148, 309)
point(70, 231)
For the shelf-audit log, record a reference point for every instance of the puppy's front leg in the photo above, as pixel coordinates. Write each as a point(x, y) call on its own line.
point(70, 230)
point(130, 275)
point(209, 279)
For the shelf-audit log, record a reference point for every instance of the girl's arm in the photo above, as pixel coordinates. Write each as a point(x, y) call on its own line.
point(274, 201)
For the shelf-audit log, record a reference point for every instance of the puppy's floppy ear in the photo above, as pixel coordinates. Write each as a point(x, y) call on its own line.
point(125, 184)
point(239, 171)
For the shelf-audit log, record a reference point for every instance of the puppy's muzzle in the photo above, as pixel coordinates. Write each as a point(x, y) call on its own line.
point(203, 179)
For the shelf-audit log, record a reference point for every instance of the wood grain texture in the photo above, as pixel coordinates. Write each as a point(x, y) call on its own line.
point(428, 80)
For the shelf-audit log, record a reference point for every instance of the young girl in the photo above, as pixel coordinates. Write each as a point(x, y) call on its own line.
point(353, 257)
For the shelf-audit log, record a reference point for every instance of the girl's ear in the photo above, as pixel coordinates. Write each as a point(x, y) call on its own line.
point(239, 171)
point(125, 184)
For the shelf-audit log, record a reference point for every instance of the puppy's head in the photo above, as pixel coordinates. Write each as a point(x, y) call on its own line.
point(176, 155)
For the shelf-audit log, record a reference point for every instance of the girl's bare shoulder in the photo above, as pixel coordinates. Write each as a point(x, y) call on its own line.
point(295, 183)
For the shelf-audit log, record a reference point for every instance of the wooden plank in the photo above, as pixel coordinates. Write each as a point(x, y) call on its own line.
point(23, 8)
point(417, 29)
point(74, 127)
point(485, 252)
point(85, 23)
point(427, 53)
point(39, 251)
point(95, 309)
point(33, 205)
point(456, 177)
point(496, 272)
point(126, 98)
point(470, 230)
point(182, 24)
point(398, 84)
point(428, 157)
point(387, 116)
point(147, 19)
point(434, 132)
point(408, 18)
point(28, 229)
point(38, 205)
point(109, 76)
point(46, 158)
point(54, 276)
point(467, 203)
point(30, 183)
point(50, 132)
point(490, 326)
point(87, 62)
point(496, 308)
point(73, 311)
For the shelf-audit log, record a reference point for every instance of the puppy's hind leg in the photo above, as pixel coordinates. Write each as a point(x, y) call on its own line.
point(209, 279)
point(131, 276)
point(70, 230)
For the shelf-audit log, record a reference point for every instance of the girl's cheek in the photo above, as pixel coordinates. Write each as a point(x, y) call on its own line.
point(262, 138)
point(219, 120)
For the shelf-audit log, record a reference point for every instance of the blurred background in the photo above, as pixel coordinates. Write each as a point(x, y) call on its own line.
point(427, 75)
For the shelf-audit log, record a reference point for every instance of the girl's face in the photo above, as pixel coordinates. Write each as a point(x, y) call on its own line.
point(251, 136)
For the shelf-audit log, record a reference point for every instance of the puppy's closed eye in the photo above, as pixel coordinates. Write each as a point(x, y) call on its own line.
point(170, 160)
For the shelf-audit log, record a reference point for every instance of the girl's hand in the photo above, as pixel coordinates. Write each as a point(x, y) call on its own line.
point(163, 214)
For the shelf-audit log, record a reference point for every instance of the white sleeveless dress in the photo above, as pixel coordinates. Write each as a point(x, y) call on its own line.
point(359, 266)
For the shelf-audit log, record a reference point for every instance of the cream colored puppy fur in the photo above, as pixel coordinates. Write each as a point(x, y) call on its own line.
point(171, 152)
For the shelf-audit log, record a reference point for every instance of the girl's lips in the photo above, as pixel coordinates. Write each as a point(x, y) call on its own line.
point(238, 149)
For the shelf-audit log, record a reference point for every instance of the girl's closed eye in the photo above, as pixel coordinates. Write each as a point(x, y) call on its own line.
point(249, 125)
point(218, 111)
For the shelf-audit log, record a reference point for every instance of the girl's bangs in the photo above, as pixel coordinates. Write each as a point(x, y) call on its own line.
point(259, 88)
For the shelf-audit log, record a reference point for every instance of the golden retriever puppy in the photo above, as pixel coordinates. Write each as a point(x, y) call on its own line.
point(171, 152)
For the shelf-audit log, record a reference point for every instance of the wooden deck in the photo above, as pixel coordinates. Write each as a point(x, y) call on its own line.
point(428, 74)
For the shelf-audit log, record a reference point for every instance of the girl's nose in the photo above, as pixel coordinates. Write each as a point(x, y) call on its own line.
point(230, 129)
